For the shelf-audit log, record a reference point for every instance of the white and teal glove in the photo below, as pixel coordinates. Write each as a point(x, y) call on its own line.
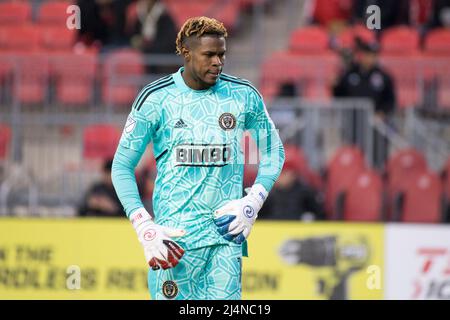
point(235, 219)
point(159, 249)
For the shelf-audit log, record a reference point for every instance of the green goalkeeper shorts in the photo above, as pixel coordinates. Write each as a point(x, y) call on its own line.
point(209, 273)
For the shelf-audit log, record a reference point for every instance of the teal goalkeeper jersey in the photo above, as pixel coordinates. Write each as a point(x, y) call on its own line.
point(196, 136)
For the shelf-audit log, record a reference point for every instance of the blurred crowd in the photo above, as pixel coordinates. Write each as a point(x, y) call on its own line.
point(422, 14)
point(144, 25)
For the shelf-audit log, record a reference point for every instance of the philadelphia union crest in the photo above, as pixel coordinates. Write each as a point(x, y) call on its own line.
point(227, 121)
point(170, 289)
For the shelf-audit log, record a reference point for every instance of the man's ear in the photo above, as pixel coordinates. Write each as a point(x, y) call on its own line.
point(186, 54)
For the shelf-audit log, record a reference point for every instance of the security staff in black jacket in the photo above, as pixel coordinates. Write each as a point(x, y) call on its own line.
point(364, 78)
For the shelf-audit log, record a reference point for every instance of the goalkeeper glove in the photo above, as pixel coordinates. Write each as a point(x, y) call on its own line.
point(235, 219)
point(159, 249)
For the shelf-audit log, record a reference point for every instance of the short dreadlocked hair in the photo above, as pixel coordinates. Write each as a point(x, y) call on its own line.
point(199, 26)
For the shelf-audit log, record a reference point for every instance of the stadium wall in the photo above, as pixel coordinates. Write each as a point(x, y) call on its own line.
point(102, 259)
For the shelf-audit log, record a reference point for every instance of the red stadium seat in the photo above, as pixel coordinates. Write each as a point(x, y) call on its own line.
point(6, 65)
point(404, 163)
point(75, 80)
point(31, 77)
point(345, 164)
point(406, 75)
point(309, 40)
point(402, 40)
point(57, 38)
point(422, 202)
point(100, 141)
point(121, 74)
point(364, 197)
point(297, 160)
point(311, 73)
point(327, 12)
point(346, 39)
point(24, 38)
point(436, 71)
point(400, 169)
point(437, 42)
point(225, 11)
point(5, 140)
point(14, 13)
point(54, 13)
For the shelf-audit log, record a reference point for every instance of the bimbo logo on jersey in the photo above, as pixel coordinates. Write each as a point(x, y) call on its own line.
point(202, 155)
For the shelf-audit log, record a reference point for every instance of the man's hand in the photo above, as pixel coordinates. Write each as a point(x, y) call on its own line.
point(159, 249)
point(235, 219)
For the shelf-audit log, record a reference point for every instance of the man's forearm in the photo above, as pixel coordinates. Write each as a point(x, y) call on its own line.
point(272, 160)
point(124, 180)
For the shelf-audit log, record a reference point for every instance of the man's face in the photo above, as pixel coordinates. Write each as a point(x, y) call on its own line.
point(205, 59)
point(366, 59)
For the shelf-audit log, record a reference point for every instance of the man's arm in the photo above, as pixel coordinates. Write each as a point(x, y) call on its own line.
point(269, 144)
point(159, 249)
point(236, 218)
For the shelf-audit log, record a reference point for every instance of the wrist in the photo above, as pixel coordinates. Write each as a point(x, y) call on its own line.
point(259, 194)
point(140, 217)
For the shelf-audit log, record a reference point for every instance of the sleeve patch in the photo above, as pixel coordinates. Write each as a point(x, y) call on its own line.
point(130, 125)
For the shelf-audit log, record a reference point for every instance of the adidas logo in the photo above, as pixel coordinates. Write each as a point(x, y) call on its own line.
point(180, 124)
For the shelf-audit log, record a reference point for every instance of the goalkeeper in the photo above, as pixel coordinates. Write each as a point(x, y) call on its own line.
point(196, 118)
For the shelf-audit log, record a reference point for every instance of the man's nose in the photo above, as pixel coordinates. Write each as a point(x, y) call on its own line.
point(217, 61)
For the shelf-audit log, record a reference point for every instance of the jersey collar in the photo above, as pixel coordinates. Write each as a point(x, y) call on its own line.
point(179, 82)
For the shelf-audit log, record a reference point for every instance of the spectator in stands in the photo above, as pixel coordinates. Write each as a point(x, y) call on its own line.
point(291, 198)
point(103, 23)
point(365, 78)
point(392, 12)
point(440, 17)
point(150, 27)
point(152, 30)
point(101, 198)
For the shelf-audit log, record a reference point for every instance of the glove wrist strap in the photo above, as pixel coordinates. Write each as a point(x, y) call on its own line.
point(259, 193)
point(139, 217)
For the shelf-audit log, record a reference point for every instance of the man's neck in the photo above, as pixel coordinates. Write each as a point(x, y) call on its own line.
point(191, 82)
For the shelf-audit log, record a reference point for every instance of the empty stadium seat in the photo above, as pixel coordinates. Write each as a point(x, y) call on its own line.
point(53, 13)
point(57, 38)
point(100, 141)
point(363, 199)
point(74, 81)
point(403, 163)
point(297, 159)
point(401, 40)
point(225, 11)
point(31, 74)
point(122, 71)
point(346, 163)
point(400, 168)
point(5, 140)
point(14, 13)
point(436, 74)
point(422, 200)
point(311, 74)
point(437, 42)
point(24, 38)
point(406, 74)
point(346, 39)
point(309, 40)
point(327, 12)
